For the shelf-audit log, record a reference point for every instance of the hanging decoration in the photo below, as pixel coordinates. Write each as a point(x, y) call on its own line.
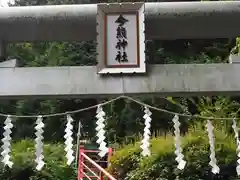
point(39, 144)
point(147, 133)
point(213, 160)
point(69, 140)
point(101, 132)
point(178, 151)
point(7, 142)
point(100, 114)
point(235, 129)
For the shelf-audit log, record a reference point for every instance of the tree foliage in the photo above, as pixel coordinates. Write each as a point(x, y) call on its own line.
point(128, 164)
point(23, 155)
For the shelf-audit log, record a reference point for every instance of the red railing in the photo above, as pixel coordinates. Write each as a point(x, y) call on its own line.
point(92, 169)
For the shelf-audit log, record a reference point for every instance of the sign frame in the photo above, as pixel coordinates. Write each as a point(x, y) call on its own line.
point(103, 11)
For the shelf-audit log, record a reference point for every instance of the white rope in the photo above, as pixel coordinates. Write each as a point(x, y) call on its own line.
point(235, 129)
point(39, 144)
point(213, 160)
point(101, 135)
point(178, 151)
point(101, 132)
point(112, 100)
point(7, 142)
point(69, 140)
point(146, 136)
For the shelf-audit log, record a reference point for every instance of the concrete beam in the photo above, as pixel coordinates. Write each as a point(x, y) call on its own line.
point(10, 63)
point(81, 82)
point(164, 20)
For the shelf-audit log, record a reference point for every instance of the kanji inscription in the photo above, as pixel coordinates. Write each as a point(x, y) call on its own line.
point(122, 40)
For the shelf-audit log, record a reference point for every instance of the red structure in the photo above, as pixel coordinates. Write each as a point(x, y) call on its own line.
point(91, 167)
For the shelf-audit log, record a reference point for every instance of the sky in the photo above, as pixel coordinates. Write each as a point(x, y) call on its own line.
point(4, 3)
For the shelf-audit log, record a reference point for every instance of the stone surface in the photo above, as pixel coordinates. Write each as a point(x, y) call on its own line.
point(164, 20)
point(163, 80)
point(234, 59)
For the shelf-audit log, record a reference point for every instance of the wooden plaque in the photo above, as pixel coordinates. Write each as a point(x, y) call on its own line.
point(121, 38)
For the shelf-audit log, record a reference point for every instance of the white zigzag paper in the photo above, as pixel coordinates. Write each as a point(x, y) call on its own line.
point(235, 129)
point(69, 140)
point(39, 144)
point(6, 142)
point(101, 132)
point(146, 135)
point(213, 160)
point(178, 151)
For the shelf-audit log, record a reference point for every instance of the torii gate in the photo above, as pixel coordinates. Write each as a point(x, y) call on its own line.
point(172, 20)
point(78, 22)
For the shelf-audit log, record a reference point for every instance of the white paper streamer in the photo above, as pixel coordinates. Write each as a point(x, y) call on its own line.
point(7, 142)
point(178, 151)
point(235, 129)
point(213, 160)
point(69, 140)
point(147, 133)
point(39, 144)
point(101, 132)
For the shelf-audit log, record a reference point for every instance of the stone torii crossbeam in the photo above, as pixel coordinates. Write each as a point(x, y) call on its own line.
point(78, 22)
